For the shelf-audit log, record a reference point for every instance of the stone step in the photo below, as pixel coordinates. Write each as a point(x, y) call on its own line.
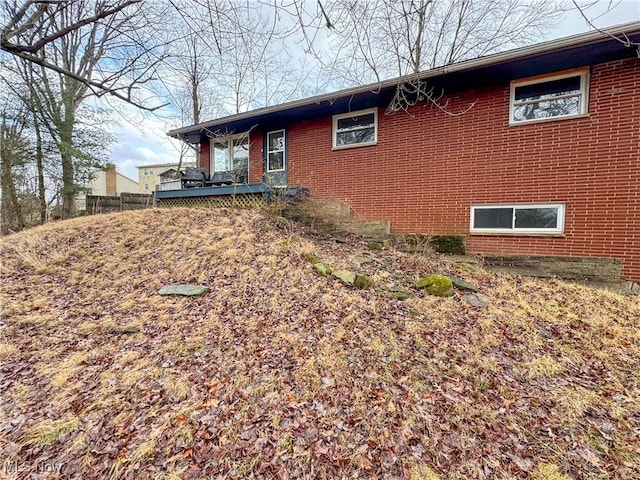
point(378, 230)
point(336, 211)
point(335, 218)
point(576, 268)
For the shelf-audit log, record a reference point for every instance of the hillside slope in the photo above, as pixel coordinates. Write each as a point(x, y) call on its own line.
point(278, 372)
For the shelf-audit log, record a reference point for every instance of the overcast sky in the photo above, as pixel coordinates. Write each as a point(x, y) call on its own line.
point(143, 141)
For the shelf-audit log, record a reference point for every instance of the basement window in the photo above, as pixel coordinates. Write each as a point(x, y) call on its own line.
point(549, 98)
point(520, 218)
point(355, 129)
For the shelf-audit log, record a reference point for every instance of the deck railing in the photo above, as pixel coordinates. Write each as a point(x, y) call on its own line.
point(169, 184)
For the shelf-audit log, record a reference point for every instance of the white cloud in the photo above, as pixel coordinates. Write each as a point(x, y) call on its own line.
point(141, 140)
point(601, 14)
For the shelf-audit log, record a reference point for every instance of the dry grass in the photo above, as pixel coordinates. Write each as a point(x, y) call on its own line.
point(278, 371)
point(46, 432)
point(546, 471)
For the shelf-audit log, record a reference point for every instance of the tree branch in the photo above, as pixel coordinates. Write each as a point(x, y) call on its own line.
point(15, 48)
point(86, 81)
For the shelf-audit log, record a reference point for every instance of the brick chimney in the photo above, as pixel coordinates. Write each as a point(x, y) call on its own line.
point(111, 182)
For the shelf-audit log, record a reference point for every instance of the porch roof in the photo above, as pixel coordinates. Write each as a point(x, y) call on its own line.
point(614, 43)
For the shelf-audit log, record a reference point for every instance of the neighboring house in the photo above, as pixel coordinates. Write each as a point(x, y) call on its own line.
point(150, 176)
point(534, 151)
point(107, 182)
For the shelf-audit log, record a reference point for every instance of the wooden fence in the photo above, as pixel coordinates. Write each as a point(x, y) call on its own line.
point(125, 201)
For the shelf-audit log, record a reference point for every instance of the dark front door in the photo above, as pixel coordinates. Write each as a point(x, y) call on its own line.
point(275, 171)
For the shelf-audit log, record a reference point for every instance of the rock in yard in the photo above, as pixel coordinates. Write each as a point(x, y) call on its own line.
point(322, 268)
point(345, 276)
point(363, 282)
point(375, 245)
point(439, 285)
point(477, 300)
point(463, 285)
point(362, 260)
point(186, 290)
point(469, 267)
point(400, 294)
point(122, 330)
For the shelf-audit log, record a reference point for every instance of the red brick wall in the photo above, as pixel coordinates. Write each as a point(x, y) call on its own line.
point(428, 168)
point(255, 157)
point(204, 157)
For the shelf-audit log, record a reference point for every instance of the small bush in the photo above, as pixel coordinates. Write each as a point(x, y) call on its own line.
point(451, 244)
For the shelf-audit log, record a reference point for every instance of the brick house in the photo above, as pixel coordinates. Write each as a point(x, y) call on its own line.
point(534, 151)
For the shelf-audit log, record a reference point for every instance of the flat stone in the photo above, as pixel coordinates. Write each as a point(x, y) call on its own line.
point(322, 269)
point(363, 282)
point(461, 284)
point(362, 260)
point(345, 276)
point(477, 300)
point(123, 330)
point(467, 266)
point(185, 290)
point(400, 294)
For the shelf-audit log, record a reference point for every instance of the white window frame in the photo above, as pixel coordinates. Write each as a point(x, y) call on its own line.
point(284, 151)
point(355, 114)
point(559, 230)
point(229, 139)
point(584, 95)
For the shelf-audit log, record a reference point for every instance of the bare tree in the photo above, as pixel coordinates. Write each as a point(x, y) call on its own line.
point(592, 10)
point(377, 39)
point(243, 53)
point(14, 153)
point(31, 27)
point(84, 51)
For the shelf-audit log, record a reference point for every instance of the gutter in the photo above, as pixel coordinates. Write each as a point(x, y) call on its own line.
point(466, 65)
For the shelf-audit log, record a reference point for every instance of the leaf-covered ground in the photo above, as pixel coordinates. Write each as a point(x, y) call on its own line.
point(281, 373)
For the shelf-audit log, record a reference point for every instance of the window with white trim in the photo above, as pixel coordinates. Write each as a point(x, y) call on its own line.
point(560, 96)
point(355, 129)
point(229, 154)
point(275, 151)
point(518, 218)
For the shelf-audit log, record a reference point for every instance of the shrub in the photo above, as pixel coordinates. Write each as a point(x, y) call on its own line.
point(452, 244)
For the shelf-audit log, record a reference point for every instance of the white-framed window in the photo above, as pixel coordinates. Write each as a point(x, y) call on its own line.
point(564, 95)
point(355, 129)
point(230, 153)
point(518, 218)
point(276, 151)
